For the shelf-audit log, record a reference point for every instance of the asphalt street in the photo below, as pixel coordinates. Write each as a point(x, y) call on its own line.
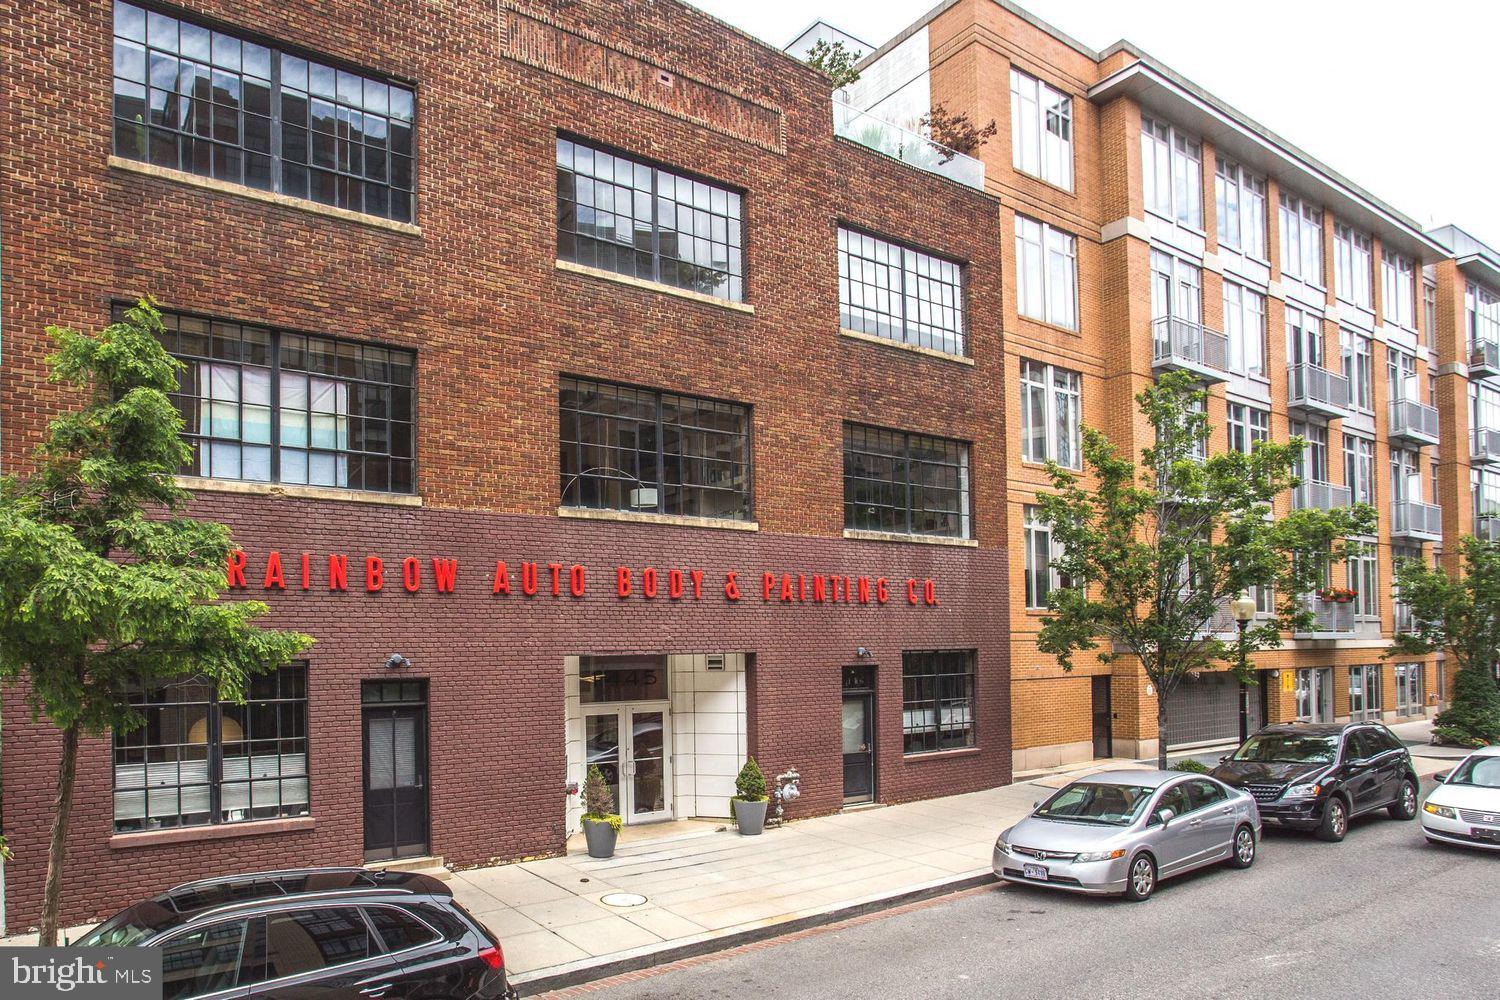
point(1382, 914)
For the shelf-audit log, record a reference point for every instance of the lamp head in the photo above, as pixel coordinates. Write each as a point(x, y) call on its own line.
point(1243, 607)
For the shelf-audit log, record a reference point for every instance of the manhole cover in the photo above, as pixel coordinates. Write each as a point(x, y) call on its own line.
point(622, 899)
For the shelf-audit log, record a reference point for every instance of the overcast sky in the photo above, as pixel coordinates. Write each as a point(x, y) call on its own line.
point(1399, 102)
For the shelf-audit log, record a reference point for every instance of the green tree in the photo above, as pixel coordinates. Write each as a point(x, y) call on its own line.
point(834, 61)
point(1152, 556)
point(1460, 616)
point(104, 586)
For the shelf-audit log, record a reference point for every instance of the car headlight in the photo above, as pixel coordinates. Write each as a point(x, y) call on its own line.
point(1002, 845)
point(1100, 856)
point(1309, 791)
point(1444, 812)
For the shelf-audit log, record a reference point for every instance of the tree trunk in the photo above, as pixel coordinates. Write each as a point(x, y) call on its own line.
point(1161, 728)
point(57, 850)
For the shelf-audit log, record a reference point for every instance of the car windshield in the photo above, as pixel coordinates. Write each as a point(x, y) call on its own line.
point(1096, 802)
point(1289, 748)
point(1482, 772)
point(127, 928)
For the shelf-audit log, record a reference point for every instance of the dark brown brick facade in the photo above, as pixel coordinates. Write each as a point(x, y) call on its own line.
point(495, 323)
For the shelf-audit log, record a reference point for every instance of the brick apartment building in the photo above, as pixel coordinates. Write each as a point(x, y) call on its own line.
point(520, 364)
point(1148, 226)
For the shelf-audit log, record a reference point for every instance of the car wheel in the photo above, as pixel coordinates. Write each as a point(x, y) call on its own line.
point(1405, 806)
point(1140, 881)
point(1335, 821)
point(1242, 851)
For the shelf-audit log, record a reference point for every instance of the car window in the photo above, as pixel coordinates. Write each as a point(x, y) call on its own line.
point(1480, 771)
point(301, 941)
point(1175, 799)
point(1388, 740)
point(1289, 748)
point(201, 961)
point(1362, 745)
point(1096, 802)
point(399, 929)
point(1203, 793)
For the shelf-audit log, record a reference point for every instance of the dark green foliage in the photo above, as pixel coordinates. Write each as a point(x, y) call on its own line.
point(1191, 765)
point(598, 800)
point(835, 61)
point(750, 784)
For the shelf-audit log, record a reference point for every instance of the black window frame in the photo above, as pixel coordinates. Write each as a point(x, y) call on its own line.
point(280, 343)
point(965, 487)
point(214, 780)
point(935, 698)
point(572, 482)
point(274, 154)
point(913, 333)
point(737, 285)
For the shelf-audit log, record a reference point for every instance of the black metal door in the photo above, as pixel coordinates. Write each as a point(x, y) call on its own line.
point(1104, 741)
point(859, 746)
point(395, 782)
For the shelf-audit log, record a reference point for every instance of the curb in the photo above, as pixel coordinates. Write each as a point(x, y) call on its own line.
point(635, 963)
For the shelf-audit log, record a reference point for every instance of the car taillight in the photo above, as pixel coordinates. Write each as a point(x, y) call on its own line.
point(493, 958)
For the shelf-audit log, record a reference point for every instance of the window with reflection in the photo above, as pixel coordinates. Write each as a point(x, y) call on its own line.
point(904, 483)
point(214, 104)
point(625, 215)
point(937, 702)
point(894, 291)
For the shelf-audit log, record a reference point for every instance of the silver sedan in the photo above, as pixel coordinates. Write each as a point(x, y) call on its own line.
point(1122, 832)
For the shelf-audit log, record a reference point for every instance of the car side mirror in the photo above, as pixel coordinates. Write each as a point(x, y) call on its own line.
point(1441, 777)
point(1165, 816)
point(1035, 803)
point(1225, 759)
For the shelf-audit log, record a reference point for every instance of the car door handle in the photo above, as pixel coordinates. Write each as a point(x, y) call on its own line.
point(1195, 822)
point(378, 990)
point(1227, 810)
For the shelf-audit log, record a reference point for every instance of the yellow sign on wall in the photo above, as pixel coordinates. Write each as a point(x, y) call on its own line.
point(1288, 681)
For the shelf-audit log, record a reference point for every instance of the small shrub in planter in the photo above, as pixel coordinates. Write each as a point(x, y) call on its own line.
point(750, 801)
point(1189, 764)
point(601, 825)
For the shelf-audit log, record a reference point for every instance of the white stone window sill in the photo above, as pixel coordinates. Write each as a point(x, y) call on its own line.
point(292, 491)
point(928, 352)
point(654, 286)
point(646, 517)
point(861, 534)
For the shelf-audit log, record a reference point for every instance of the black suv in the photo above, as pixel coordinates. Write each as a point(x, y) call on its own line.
point(1316, 776)
point(327, 932)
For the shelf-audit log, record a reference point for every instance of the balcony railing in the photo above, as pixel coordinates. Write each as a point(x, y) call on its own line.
point(1179, 344)
point(1486, 446)
point(1314, 495)
point(1484, 359)
point(1487, 527)
point(1331, 619)
point(907, 146)
point(1315, 389)
point(1413, 422)
point(1417, 520)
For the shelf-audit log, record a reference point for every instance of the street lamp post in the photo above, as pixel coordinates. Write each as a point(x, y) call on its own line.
point(1244, 610)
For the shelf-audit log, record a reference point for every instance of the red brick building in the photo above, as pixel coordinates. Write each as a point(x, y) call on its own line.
point(553, 286)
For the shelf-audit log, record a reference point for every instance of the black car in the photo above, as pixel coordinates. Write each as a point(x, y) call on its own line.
point(1317, 776)
point(331, 933)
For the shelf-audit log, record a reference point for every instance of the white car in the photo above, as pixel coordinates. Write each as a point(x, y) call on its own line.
point(1465, 808)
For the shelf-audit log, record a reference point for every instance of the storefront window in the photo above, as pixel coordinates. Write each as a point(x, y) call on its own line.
point(937, 709)
point(622, 678)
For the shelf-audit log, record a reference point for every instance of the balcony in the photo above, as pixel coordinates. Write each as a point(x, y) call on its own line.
point(1484, 359)
point(1486, 446)
point(1314, 389)
point(1313, 495)
point(1413, 422)
point(1182, 345)
point(1487, 527)
point(907, 146)
point(1331, 619)
point(1418, 521)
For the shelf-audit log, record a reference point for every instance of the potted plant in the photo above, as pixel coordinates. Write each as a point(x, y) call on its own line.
point(750, 801)
point(601, 825)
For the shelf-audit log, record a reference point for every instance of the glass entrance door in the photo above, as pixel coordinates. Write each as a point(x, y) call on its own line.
point(1364, 692)
point(1314, 694)
point(1409, 689)
point(629, 746)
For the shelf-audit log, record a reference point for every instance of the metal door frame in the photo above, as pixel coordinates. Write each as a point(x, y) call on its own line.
point(866, 693)
point(424, 749)
point(623, 711)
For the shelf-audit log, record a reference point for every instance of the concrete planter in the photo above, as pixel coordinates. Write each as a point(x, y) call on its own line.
point(601, 838)
point(750, 817)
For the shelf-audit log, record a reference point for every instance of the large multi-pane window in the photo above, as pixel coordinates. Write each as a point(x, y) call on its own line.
point(1401, 376)
point(1352, 265)
point(1301, 239)
point(1304, 337)
point(1248, 426)
point(1482, 310)
point(1429, 324)
point(1051, 414)
point(197, 760)
point(900, 293)
point(1172, 172)
point(905, 483)
point(1359, 368)
point(1041, 552)
point(624, 215)
point(214, 104)
point(1359, 468)
point(937, 700)
point(1041, 130)
point(1484, 406)
point(624, 448)
point(1406, 474)
point(1484, 487)
point(1176, 288)
point(1241, 204)
point(1245, 326)
point(1398, 286)
point(1047, 273)
point(271, 406)
point(1364, 580)
point(1312, 464)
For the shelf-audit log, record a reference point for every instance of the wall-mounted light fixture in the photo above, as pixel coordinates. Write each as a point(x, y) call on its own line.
point(862, 653)
point(396, 661)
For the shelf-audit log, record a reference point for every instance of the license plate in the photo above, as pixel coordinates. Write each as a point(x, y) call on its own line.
point(1477, 832)
point(1038, 872)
